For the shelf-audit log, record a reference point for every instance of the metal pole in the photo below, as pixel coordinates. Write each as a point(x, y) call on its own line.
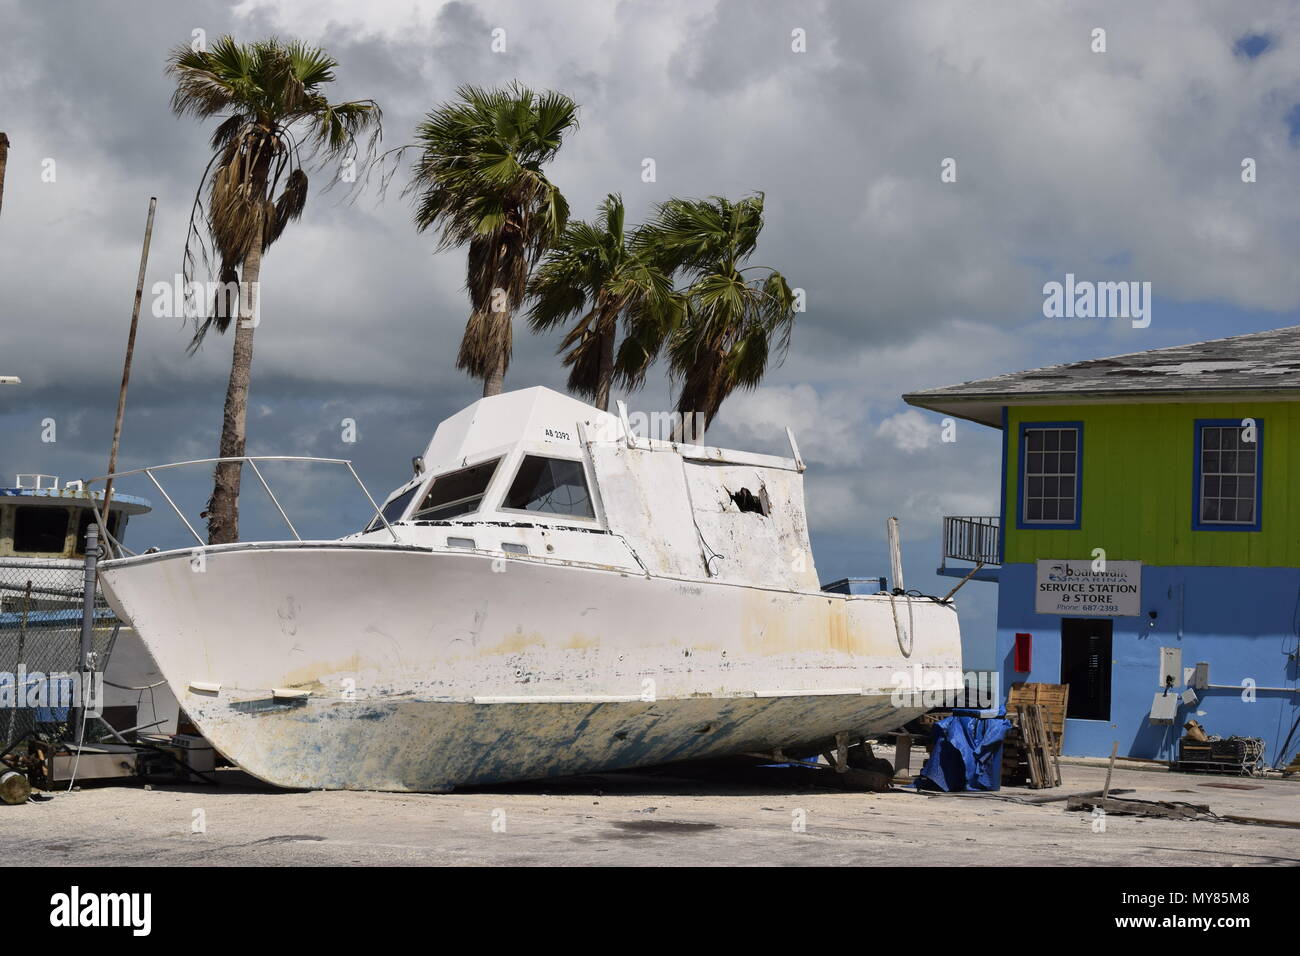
point(130, 354)
point(253, 465)
point(87, 627)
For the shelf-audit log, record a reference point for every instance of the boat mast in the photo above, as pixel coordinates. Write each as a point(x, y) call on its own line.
point(126, 364)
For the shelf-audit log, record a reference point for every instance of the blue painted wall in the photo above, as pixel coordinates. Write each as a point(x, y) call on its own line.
point(1243, 621)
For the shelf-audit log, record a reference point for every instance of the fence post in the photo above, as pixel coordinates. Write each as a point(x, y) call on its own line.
point(87, 627)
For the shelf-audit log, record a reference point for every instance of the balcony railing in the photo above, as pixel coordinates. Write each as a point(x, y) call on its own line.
point(975, 539)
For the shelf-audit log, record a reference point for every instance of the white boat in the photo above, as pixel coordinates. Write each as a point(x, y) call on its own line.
point(42, 540)
point(549, 594)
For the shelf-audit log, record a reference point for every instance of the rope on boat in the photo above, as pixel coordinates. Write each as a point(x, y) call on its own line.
point(911, 629)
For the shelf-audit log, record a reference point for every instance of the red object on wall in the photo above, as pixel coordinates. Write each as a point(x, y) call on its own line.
point(1024, 653)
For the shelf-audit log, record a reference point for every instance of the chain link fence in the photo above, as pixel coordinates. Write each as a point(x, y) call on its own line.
point(40, 639)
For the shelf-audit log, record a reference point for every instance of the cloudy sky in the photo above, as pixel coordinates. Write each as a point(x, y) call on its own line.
point(1117, 165)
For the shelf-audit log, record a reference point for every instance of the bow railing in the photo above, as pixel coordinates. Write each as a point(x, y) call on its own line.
point(116, 547)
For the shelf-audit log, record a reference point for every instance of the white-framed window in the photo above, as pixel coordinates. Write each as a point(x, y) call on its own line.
point(1049, 482)
point(1227, 493)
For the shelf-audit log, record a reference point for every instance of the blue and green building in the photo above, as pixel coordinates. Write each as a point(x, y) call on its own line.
point(1148, 540)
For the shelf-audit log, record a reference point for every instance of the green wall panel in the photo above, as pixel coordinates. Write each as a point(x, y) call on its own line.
point(1137, 487)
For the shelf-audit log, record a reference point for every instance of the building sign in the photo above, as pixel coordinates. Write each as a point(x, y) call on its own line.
point(1073, 588)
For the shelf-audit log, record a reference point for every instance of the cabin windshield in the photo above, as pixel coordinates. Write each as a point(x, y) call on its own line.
point(456, 493)
point(394, 509)
point(552, 485)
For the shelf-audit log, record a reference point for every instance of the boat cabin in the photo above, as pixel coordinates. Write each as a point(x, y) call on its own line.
point(39, 519)
point(537, 473)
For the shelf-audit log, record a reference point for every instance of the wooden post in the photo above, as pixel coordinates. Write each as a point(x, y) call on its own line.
point(903, 755)
point(1114, 749)
point(126, 365)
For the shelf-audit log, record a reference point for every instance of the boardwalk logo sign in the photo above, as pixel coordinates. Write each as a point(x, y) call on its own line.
point(1072, 588)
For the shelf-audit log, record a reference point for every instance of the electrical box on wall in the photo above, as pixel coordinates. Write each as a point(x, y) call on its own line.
point(1164, 708)
point(1171, 666)
point(1201, 675)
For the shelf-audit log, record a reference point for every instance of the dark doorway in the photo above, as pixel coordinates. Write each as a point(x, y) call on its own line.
point(1085, 666)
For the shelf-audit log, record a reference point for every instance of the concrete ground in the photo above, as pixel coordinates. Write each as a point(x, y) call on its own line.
point(646, 819)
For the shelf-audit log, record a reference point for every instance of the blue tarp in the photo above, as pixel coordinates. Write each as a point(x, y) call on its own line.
point(967, 753)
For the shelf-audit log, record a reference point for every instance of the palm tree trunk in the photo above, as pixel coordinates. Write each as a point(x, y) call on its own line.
point(495, 381)
point(606, 369)
point(223, 506)
point(4, 161)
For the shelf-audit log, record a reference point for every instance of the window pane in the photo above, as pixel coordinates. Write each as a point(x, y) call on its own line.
point(397, 507)
point(456, 493)
point(1210, 438)
point(1067, 510)
point(1068, 437)
point(1035, 436)
point(1034, 509)
point(1051, 440)
point(40, 530)
point(552, 485)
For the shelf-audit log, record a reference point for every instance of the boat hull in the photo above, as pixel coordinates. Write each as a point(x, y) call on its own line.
point(345, 666)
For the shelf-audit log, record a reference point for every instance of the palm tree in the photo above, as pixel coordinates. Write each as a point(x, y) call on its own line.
point(479, 180)
point(594, 270)
point(273, 115)
point(733, 324)
point(4, 161)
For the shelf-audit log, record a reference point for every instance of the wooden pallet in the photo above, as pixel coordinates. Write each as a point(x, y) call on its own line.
point(1044, 767)
point(1052, 698)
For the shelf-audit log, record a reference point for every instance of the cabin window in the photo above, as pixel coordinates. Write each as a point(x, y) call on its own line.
point(40, 530)
point(1228, 476)
point(1050, 466)
point(551, 485)
point(457, 493)
point(83, 523)
point(394, 509)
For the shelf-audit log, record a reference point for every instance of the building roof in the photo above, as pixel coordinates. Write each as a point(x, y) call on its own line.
point(1240, 365)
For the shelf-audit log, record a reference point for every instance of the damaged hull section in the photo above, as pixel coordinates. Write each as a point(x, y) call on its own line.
point(433, 746)
point(350, 665)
